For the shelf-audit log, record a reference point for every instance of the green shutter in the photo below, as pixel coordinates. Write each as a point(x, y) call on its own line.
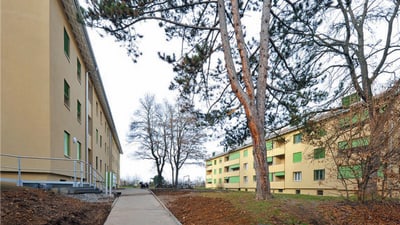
point(271, 176)
point(269, 159)
point(319, 153)
point(209, 163)
point(360, 142)
point(245, 153)
point(297, 157)
point(234, 179)
point(270, 145)
point(343, 145)
point(347, 172)
point(234, 155)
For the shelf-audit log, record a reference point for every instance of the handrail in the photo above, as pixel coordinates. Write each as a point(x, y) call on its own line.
point(93, 177)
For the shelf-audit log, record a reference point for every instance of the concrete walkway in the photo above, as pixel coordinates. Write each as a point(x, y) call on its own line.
point(141, 207)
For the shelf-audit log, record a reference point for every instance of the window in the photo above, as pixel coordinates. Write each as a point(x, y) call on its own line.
point(320, 192)
point(297, 157)
point(245, 179)
point(101, 165)
point(215, 171)
point(97, 109)
point(78, 150)
point(97, 162)
point(66, 43)
point(254, 178)
point(220, 170)
point(297, 192)
point(90, 125)
point(66, 144)
point(101, 141)
point(101, 117)
point(220, 181)
point(97, 136)
point(234, 155)
point(215, 162)
point(297, 176)
point(245, 166)
point(270, 145)
point(78, 70)
point(319, 153)
point(245, 153)
point(78, 110)
point(319, 174)
point(66, 93)
point(297, 138)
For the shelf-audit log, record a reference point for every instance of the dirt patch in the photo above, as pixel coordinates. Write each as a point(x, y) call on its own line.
point(33, 206)
point(191, 207)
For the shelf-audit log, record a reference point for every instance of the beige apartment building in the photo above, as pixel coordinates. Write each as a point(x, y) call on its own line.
point(56, 124)
point(328, 163)
point(294, 167)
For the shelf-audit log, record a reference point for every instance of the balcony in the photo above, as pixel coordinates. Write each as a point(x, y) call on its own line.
point(276, 168)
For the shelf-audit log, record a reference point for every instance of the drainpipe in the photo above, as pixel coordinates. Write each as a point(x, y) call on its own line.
point(87, 124)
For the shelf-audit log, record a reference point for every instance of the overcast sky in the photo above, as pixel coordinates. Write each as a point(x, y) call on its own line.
point(126, 82)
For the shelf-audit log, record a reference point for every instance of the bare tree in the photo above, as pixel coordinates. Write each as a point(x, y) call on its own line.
point(145, 129)
point(187, 137)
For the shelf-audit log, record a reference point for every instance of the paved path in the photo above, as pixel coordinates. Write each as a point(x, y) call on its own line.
point(141, 207)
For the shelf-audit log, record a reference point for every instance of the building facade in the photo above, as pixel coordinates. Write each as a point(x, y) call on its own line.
point(331, 157)
point(56, 124)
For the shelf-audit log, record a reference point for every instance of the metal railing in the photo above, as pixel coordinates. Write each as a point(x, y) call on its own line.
point(70, 170)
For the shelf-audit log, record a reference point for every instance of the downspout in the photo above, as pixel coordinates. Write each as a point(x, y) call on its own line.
point(87, 124)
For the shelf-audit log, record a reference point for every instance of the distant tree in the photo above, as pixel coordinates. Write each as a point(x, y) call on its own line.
point(145, 130)
point(186, 138)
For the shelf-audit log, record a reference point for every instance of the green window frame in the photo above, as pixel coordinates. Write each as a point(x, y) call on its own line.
point(66, 93)
point(78, 70)
point(319, 153)
point(78, 150)
point(66, 43)
point(297, 138)
point(269, 145)
point(67, 144)
point(78, 110)
point(269, 159)
point(319, 174)
point(220, 170)
point(297, 156)
point(215, 162)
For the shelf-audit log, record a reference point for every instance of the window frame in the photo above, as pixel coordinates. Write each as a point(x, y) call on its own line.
point(319, 174)
point(297, 176)
point(67, 44)
point(297, 138)
point(67, 94)
point(67, 144)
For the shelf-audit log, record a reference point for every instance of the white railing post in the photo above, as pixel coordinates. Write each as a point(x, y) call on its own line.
point(80, 162)
point(19, 181)
point(90, 176)
point(106, 182)
point(75, 173)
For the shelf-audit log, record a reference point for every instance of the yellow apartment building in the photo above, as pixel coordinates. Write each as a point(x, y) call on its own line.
point(298, 167)
point(56, 124)
point(294, 167)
